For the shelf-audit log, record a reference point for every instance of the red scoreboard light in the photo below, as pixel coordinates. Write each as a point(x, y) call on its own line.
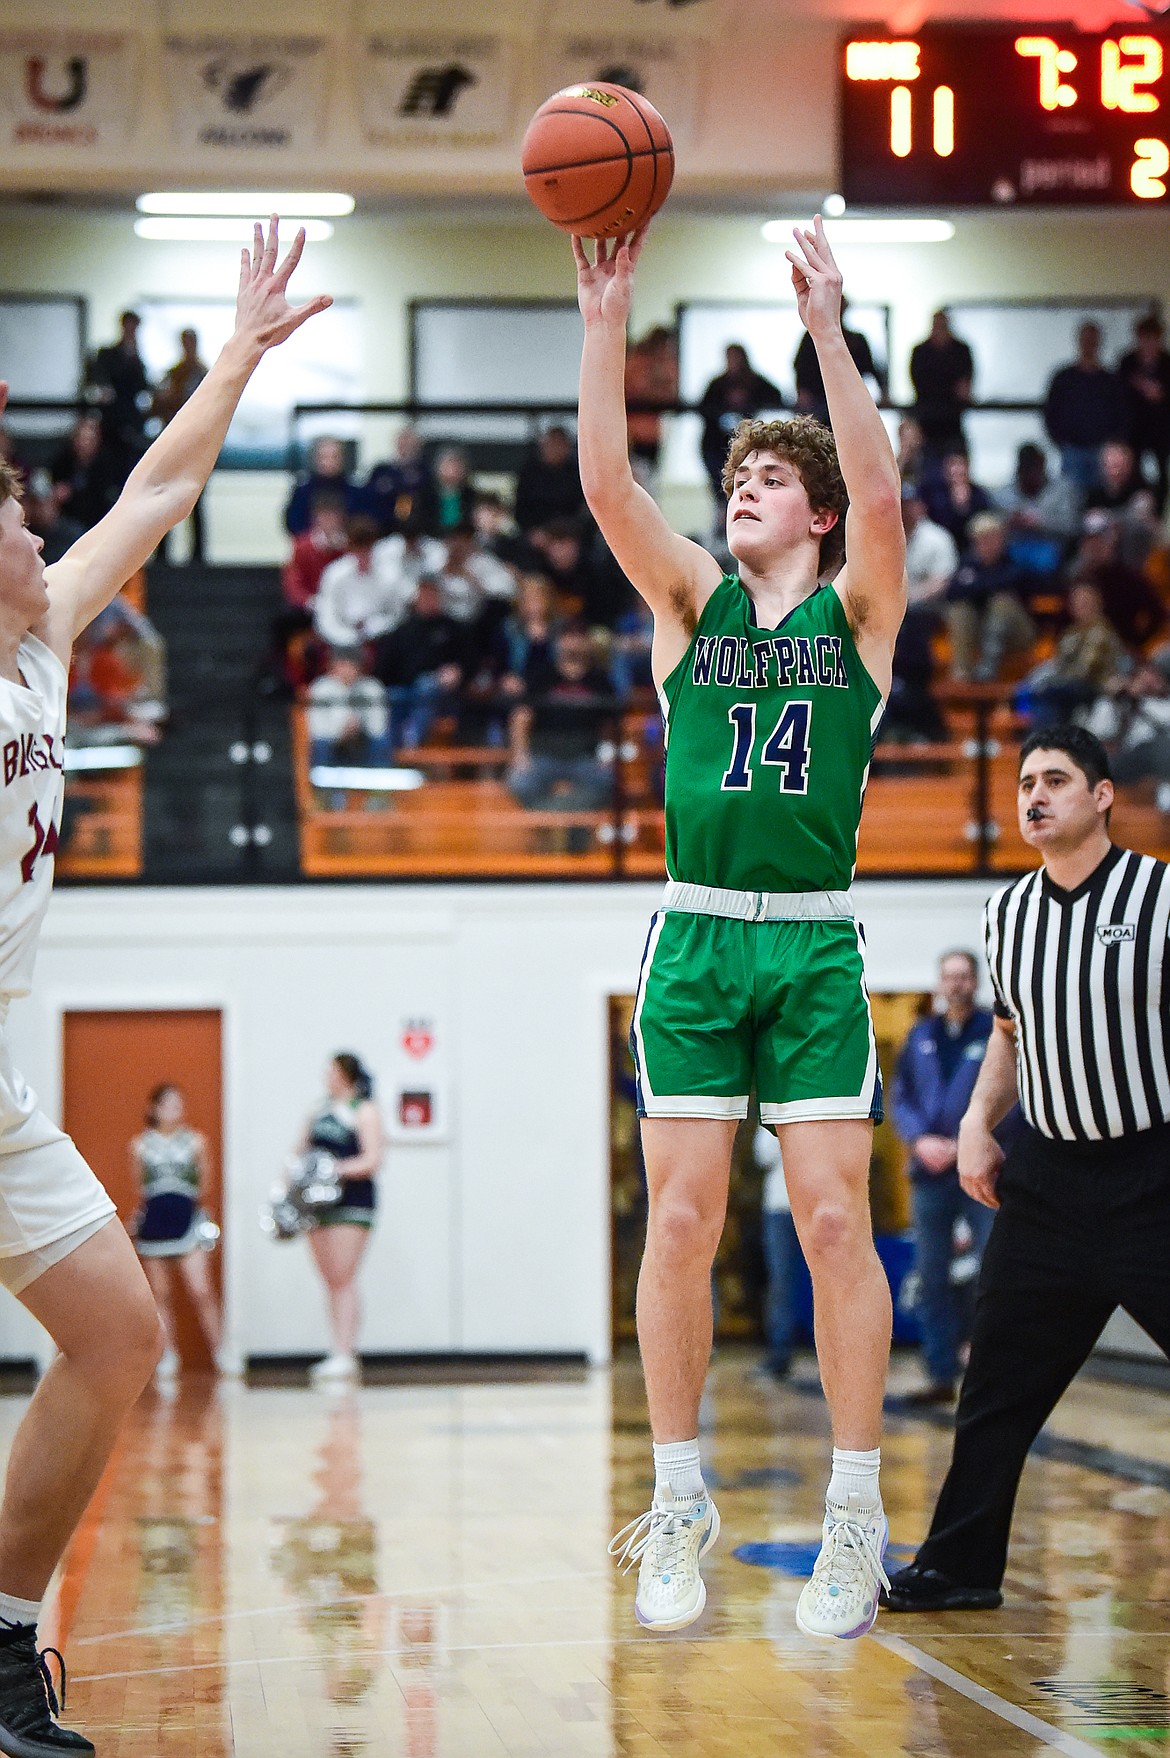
point(995, 116)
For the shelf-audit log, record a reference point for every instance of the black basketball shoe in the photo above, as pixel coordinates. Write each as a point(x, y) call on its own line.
point(917, 1589)
point(28, 1702)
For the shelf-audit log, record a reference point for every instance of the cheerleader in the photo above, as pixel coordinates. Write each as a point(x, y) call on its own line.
point(347, 1125)
point(170, 1160)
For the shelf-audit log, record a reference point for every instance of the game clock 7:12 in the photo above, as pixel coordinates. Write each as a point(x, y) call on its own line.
point(995, 116)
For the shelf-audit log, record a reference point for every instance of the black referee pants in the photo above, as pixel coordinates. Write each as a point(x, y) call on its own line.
point(1080, 1232)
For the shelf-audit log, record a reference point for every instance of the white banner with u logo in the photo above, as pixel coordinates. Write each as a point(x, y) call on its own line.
point(63, 89)
point(435, 87)
point(258, 93)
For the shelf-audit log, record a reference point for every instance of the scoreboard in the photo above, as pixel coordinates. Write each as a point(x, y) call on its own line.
point(994, 115)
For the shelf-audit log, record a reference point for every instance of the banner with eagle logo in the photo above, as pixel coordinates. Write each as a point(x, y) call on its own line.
point(250, 94)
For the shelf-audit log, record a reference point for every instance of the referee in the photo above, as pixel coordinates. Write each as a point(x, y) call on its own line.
point(1080, 967)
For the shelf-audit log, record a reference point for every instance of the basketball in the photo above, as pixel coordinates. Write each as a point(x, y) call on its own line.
point(598, 160)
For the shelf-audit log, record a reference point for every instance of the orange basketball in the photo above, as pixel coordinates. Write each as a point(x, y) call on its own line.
point(598, 160)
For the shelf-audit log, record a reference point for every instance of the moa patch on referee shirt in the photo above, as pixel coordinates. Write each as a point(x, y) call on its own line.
point(1113, 933)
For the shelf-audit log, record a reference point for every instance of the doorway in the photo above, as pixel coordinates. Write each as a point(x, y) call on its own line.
point(112, 1062)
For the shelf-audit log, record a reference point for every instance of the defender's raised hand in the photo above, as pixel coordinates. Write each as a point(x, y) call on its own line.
point(264, 316)
point(605, 287)
point(817, 280)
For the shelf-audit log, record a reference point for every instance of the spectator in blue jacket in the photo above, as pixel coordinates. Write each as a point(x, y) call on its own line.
point(327, 476)
point(936, 1073)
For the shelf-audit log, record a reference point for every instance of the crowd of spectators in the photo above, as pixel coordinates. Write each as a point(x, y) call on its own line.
point(1052, 589)
point(417, 607)
point(468, 609)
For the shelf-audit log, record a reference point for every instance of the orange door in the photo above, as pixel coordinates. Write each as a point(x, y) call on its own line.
point(112, 1063)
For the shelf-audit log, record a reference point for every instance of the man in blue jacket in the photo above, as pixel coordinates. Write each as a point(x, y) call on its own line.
point(936, 1074)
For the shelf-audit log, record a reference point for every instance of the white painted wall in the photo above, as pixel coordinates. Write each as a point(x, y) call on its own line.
point(496, 1239)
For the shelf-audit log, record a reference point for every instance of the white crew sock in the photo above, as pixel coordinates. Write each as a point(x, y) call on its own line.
point(19, 1611)
point(677, 1468)
point(855, 1474)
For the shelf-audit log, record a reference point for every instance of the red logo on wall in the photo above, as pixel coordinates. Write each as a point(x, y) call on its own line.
point(418, 1038)
point(415, 1110)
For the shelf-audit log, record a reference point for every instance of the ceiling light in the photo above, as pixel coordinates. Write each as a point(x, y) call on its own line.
point(195, 230)
point(248, 202)
point(905, 230)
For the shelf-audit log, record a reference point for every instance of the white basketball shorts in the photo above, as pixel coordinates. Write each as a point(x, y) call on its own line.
point(50, 1201)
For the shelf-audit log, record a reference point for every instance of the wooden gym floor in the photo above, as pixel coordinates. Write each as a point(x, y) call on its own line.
point(419, 1570)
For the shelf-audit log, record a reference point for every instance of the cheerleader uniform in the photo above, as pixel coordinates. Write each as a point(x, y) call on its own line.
point(168, 1223)
point(333, 1130)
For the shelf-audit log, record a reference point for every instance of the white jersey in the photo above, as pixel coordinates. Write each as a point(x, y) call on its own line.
point(32, 773)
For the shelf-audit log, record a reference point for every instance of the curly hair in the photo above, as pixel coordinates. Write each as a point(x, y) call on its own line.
point(10, 483)
point(809, 447)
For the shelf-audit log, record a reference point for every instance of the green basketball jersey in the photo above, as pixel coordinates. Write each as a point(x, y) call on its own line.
point(769, 736)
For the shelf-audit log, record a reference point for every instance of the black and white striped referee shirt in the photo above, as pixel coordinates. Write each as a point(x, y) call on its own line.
point(1085, 976)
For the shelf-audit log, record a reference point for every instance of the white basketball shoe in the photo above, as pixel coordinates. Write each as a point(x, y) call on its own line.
point(841, 1599)
point(667, 1543)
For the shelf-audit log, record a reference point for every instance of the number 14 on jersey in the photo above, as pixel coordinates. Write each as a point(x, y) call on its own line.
point(786, 748)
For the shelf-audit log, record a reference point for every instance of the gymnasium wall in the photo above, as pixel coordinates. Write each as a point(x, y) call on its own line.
point(494, 1236)
point(382, 263)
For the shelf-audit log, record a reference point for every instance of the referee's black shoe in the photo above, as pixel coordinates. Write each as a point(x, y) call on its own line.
point(28, 1702)
point(917, 1589)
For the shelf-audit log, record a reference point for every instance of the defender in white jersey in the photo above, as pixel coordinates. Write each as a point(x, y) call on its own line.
point(63, 1252)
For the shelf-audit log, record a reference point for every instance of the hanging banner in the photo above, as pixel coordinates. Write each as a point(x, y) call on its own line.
point(246, 93)
point(665, 70)
point(63, 90)
point(437, 88)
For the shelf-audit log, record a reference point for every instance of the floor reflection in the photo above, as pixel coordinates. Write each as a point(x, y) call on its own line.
point(420, 1571)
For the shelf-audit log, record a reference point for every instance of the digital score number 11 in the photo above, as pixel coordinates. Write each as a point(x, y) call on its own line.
point(1129, 65)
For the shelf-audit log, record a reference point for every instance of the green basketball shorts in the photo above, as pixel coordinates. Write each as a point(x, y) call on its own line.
point(759, 1000)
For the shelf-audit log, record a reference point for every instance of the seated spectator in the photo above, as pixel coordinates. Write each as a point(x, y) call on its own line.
point(498, 533)
point(407, 555)
point(1089, 654)
point(1085, 405)
point(1131, 601)
point(985, 604)
point(422, 661)
point(563, 559)
point(652, 381)
point(472, 579)
point(396, 492)
point(1118, 479)
point(117, 686)
point(630, 650)
point(291, 662)
point(348, 722)
point(326, 475)
point(85, 477)
point(450, 499)
point(43, 516)
point(1133, 719)
point(361, 594)
point(325, 539)
point(953, 501)
point(525, 637)
point(548, 486)
point(1043, 513)
point(557, 729)
point(931, 560)
point(910, 450)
